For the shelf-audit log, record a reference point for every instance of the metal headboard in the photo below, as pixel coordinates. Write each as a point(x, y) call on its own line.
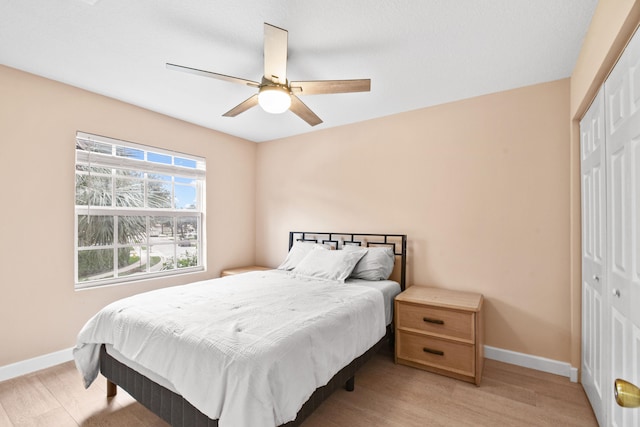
point(398, 242)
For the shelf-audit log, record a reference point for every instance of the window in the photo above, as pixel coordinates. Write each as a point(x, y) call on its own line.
point(138, 211)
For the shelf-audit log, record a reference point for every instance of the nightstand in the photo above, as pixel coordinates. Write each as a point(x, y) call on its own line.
point(238, 270)
point(441, 331)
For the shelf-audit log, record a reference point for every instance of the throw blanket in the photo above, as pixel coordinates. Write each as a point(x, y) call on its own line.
point(248, 349)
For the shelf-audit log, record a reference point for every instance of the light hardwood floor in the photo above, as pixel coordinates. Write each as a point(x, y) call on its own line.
point(386, 395)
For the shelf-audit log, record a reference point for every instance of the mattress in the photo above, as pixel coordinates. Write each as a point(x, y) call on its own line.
point(261, 383)
point(388, 288)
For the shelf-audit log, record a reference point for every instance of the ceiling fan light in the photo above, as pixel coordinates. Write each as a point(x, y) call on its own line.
point(274, 99)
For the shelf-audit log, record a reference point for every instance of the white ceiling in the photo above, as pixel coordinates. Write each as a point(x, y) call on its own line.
point(417, 53)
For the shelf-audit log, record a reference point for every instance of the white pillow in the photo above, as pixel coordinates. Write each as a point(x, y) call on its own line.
point(377, 264)
point(328, 265)
point(298, 251)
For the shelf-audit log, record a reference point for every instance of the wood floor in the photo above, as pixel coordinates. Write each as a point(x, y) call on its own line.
point(386, 395)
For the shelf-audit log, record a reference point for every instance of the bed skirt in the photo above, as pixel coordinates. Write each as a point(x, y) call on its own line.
point(176, 411)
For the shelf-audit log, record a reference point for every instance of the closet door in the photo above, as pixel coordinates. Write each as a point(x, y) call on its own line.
point(622, 107)
point(592, 156)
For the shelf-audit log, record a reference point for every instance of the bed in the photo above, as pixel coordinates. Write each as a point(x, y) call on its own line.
point(281, 337)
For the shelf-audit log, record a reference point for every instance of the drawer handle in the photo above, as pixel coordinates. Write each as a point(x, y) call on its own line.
point(430, 320)
point(432, 351)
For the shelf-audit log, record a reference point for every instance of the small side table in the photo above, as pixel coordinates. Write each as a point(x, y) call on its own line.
point(441, 331)
point(239, 270)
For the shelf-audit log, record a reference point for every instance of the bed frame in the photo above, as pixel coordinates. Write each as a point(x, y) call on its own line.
point(175, 410)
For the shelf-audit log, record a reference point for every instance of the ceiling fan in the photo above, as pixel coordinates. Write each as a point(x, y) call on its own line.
point(275, 93)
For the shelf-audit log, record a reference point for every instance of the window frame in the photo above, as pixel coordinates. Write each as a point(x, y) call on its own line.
point(119, 162)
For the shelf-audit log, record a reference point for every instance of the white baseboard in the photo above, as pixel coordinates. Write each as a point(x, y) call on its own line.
point(533, 362)
point(521, 359)
point(37, 363)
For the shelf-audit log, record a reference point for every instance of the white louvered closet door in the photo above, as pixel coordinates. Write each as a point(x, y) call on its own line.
point(592, 156)
point(622, 109)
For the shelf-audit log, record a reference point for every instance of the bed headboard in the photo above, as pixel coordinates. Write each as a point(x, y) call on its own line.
point(398, 242)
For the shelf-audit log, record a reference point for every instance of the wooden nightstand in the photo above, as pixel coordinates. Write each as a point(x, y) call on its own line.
point(238, 270)
point(441, 331)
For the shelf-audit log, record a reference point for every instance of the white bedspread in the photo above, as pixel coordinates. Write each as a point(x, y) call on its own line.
point(247, 349)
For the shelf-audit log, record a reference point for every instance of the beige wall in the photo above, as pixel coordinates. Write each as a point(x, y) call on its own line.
point(39, 310)
point(480, 186)
point(612, 26)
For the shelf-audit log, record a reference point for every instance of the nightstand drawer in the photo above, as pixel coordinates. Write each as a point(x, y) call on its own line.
point(443, 322)
point(435, 352)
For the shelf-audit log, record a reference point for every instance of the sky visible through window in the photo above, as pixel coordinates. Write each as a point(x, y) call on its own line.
point(185, 195)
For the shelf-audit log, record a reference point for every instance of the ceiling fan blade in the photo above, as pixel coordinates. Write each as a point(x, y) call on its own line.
point(304, 112)
point(243, 106)
point(331, 86)
point(212, 75)
point(275, 53)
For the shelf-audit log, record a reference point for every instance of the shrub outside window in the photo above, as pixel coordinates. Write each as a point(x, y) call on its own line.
point(138, 211)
